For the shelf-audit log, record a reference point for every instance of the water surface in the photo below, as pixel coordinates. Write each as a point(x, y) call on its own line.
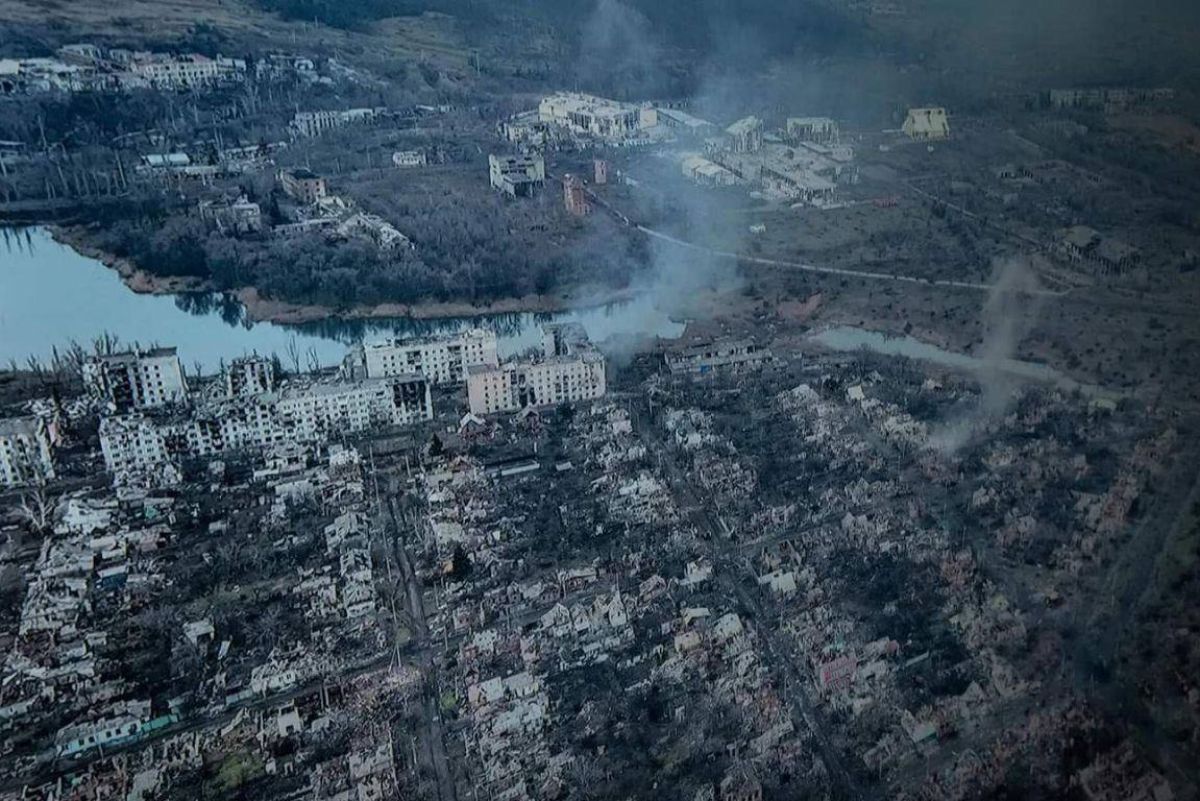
point(51, 295)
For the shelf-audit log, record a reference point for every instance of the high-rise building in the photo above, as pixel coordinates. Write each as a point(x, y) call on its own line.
point(136, 379)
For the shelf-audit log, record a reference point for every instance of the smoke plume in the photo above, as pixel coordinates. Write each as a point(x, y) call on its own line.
point(1008, 316)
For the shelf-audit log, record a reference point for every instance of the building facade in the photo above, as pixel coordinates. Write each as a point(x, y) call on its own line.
point(517, 175)
point(251, 375)
point(591, 116)
point(136, 379)
point(705, 357)
point(574, 198)
point(315, 123)
point(821, 130)
point(25, 454)
point(441, 360)
point(569, 371)
point(745, 135)
point(303, 185)
point(138, 446)
point(924, 124)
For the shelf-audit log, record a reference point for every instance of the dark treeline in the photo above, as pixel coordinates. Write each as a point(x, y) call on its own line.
point(464, 257)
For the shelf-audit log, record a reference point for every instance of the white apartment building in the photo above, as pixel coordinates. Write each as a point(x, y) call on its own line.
point(25, 455)
point(594, 116)
point(442, 360)
point(315, 123)
point(177, 72)
point(138, 445)
point(251, 375)
point(136, 379)
point(569, 371)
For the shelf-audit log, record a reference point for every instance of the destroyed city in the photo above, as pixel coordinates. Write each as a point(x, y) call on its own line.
point(599, 400)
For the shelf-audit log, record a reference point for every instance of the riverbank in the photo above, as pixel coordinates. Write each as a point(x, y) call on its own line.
point(259, 309)
point(134, 277)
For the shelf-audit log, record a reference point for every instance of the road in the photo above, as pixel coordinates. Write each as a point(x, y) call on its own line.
point(866, 275)
point(434, 740)
point(732, 571)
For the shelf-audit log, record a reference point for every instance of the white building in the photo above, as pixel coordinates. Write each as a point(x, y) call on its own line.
point(589, 115)
point(821, 130)
point(176, 72)
point(136, 379)
point(569, 371)
point(409, 158)
point(517, 175)
point(746, 135)
point(315, 123)
point(250, 375)
point(25, 455)
point(442, 360)
point(137, 447)
point(926, 123)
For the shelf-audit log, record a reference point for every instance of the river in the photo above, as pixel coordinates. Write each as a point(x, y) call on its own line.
point(51, 295)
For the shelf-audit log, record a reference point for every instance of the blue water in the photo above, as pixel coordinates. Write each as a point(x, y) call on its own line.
point(50, 295)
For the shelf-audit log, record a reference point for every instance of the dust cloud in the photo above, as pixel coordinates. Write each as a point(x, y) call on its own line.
point(1008, 316)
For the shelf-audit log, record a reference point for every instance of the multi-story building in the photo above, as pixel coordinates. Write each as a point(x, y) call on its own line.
point(136, 379)
point(704, 357)
point(303, 185)
point(25, 454)
point(746, 135)
point(574, 197)
point(315, 123)
point(821, 130)
point(442, 360)
point(569, 370)
point(517, 175)
point(240, 216)
point(924, 124)
point(594, 116)
point(250, 375)
point(136, 446)
point(176, 72)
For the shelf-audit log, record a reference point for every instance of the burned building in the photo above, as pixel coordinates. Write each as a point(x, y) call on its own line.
point(25, 452)
point(442, 360)
point(574, 198)
point(136, 379)
point(518, 175)
point(704, 357)
point(139, 447)
point(568, 370)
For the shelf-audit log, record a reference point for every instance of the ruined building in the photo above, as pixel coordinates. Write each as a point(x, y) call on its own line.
point(569, 370)
point(136, 379)
point(441, 360)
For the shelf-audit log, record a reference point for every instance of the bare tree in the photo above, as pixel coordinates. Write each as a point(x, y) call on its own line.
point(37, 508)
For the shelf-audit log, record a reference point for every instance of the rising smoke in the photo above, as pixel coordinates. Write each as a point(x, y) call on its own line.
point(618, 52)
point(1008, 316)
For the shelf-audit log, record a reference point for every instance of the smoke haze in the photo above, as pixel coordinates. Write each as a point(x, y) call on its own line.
point(1008, 316)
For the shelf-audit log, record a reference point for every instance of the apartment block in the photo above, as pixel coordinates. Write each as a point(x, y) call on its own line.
point(303, 185)
point(138, 447)
point(441, 360)
point(251, 375)
point(136, 379)
point(569, 370)
point(315, 123)
point(25, 454)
